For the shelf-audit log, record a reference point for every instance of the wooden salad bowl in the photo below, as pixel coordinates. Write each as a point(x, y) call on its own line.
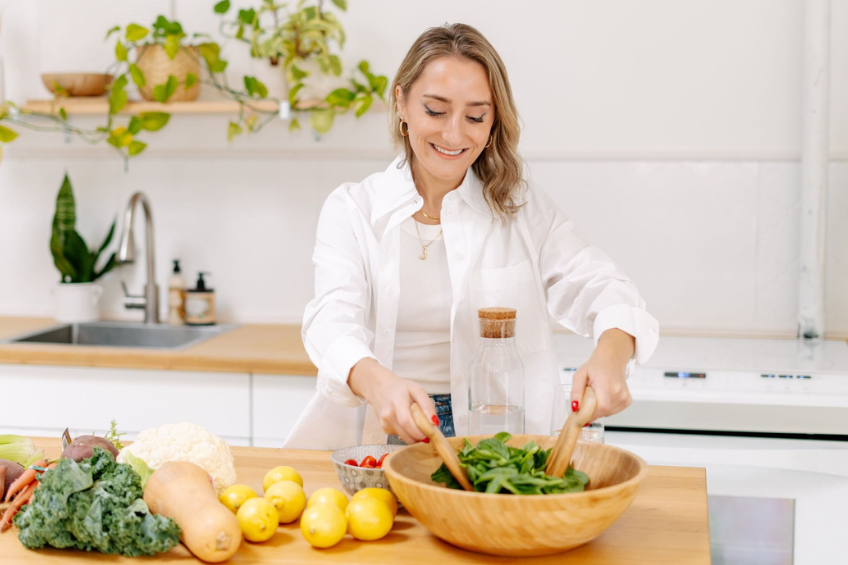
point(518, 525)
point(77, 84)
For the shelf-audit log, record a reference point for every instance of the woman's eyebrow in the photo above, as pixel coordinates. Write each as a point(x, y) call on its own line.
point(447, 101)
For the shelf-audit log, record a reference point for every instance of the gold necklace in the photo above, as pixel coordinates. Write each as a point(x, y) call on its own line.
point(437, 220)
point(423, 245)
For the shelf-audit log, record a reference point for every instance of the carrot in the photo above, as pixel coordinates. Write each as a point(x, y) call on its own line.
point(20, 500)
point(26, 478)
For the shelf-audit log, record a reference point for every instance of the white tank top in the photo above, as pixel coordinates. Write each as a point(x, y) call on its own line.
point(422, 337)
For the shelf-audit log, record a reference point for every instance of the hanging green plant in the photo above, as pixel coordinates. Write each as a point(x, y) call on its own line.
point(293, 40)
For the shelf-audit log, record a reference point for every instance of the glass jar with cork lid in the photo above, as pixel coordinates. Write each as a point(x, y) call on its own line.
point(496, 376)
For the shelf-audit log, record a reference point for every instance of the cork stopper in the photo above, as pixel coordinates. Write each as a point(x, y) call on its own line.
point(497, 322)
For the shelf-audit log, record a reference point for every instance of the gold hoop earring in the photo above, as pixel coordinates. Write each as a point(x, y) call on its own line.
point(490, 142)
point(403, 132)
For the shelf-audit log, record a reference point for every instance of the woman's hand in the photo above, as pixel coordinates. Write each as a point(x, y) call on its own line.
point(604, 372)
point(391, 397)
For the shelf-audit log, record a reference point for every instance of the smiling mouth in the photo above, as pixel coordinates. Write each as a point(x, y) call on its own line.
point(447, 152)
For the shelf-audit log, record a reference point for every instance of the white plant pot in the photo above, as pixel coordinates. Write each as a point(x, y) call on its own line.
point(318, 85)
point(273, 77)
point(77, 302)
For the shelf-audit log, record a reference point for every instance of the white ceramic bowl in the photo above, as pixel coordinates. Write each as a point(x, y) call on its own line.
point(353, 478)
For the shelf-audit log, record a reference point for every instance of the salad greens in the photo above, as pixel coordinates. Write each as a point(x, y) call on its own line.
point(494, 467)
point(95, 504)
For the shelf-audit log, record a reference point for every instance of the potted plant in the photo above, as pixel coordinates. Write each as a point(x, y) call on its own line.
point(302, 43)
point(160, 60)
point(77, 294)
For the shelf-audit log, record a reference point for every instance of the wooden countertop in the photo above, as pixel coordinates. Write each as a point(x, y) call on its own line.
point(666, 524)
point(249, 348)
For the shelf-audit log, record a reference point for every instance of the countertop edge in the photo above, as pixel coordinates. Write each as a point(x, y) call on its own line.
point(262, 349)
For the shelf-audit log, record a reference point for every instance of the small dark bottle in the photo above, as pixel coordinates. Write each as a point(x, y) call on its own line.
point(200, 304)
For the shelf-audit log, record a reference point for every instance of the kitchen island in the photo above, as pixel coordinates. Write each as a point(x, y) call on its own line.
point(666, 524)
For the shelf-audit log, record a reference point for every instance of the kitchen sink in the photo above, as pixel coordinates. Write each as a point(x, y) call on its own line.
point(123, 334)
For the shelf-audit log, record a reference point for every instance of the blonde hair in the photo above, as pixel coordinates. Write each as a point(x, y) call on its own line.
point(499, 167)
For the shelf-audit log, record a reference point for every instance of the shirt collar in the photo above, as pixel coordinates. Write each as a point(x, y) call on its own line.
point(395, 188)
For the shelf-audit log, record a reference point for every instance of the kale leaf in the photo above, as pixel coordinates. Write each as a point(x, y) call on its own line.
point(94, 505)
point(495, 467)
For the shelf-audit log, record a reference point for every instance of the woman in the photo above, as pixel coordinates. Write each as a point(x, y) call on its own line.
point(404, 259)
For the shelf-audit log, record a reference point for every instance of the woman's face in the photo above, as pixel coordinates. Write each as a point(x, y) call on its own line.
point(450, 112)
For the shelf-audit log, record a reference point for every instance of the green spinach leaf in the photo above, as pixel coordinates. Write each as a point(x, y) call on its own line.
point(494, 467)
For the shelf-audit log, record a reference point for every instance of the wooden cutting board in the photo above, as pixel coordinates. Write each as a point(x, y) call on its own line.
point(667, 524)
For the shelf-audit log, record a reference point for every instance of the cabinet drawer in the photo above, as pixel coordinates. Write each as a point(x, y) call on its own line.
point(43, 400)
point(278, 401)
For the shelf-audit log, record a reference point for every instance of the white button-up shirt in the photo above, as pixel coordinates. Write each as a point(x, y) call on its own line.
point(535, 262)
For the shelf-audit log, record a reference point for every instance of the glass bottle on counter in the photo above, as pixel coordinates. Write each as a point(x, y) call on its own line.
point(176, 296)
point(496, 376)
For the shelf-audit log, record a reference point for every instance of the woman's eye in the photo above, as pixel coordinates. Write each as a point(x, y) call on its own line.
point(476, 120)
point(432, 113)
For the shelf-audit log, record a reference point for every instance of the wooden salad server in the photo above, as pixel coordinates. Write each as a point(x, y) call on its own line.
point(563, 449)
point(443, 448)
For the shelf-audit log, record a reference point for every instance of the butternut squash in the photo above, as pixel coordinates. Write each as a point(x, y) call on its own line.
point(183, 491)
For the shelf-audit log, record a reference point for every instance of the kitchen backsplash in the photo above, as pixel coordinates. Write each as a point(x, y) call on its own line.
point(689, 179)
point(712, 246)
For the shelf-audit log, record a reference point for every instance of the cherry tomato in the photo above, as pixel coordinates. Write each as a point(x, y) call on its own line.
point(380, 461)
point(352, 462)
point(368, 466)
point(369, 462)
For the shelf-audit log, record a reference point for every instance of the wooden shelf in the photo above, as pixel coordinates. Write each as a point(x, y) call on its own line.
point(100, 105)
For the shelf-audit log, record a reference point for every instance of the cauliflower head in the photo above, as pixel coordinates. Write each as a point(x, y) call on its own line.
point(185, 442)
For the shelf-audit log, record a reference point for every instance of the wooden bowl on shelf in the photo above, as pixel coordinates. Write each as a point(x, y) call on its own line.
point(518, 525)
point(77, 84)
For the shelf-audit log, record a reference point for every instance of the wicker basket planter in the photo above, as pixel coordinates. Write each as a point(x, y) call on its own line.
point(154, 62)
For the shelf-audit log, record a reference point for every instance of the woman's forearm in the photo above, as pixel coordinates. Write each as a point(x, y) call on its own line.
point(618, 345)
point(363, 376)
point(390, 396)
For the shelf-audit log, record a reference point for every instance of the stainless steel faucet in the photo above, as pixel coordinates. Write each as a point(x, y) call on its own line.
point(149, 301)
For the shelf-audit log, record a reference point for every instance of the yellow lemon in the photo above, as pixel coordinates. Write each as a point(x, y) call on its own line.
point(380, 494)
point(288, 498)
point(258, 519)
point(368, 518)
point(235, 495)
point(323, 525)
point(328, 495)
point(281, 473)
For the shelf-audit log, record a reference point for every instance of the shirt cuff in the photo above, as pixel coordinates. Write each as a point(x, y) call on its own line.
point(634, 321)
point(338, 360)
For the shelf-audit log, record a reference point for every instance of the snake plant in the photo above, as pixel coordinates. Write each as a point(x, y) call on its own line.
point(76, 263)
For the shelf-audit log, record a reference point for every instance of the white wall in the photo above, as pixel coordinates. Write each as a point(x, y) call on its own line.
point(669, 131)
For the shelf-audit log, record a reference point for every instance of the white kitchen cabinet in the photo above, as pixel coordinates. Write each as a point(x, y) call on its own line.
point(44, 400)
point(278, 400)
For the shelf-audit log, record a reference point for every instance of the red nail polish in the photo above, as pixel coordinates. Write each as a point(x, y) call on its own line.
point(426, 440)
point(435, 419)
point(575, 405)
point(586, 425)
